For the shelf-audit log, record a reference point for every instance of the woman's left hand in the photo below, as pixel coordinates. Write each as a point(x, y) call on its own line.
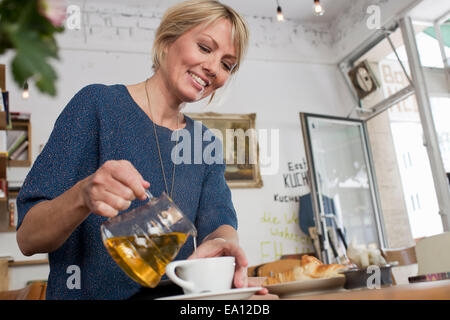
point(220, 247)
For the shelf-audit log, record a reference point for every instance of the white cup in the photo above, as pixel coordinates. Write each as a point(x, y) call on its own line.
point(202, 275)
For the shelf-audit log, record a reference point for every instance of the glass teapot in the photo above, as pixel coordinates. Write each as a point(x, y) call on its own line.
point(144, 240)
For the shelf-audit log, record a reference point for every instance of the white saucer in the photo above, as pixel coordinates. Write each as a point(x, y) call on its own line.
point(233, 294)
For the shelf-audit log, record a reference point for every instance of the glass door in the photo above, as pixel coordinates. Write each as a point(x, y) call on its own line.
point(343, 190)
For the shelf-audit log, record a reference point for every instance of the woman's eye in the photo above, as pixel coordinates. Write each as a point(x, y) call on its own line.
point(227, 66)
point(204, 48)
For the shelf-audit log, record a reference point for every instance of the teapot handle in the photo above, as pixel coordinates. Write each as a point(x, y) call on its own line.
point(170, 272)
point(149, 194)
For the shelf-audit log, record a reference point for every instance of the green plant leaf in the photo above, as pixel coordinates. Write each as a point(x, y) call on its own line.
point(25, 30)
point(31, 58)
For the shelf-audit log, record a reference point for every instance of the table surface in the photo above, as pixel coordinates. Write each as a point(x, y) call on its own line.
point(432, 290)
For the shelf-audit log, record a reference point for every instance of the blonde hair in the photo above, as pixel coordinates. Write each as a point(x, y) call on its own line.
point(186, 15)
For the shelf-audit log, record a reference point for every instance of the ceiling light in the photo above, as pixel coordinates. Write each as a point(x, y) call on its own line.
point(280, 16)
point(25, 93)
point(318, 9)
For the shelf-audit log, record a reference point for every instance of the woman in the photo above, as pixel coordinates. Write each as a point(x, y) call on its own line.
point(111, 143)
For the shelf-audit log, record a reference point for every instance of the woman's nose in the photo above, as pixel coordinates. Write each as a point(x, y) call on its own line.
point(210, 67)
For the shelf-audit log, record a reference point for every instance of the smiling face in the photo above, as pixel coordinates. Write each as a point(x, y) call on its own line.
point(200, 61)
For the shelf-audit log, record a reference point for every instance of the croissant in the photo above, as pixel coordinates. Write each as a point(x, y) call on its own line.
point(305, 269)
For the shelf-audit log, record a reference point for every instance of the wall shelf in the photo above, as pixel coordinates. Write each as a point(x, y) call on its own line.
point(27, 262)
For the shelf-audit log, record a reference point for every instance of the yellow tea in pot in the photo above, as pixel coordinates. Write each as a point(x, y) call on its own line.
point(144, 240)
point(144, 258)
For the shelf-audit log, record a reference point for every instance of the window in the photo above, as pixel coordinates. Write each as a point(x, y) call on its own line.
point(440, 107)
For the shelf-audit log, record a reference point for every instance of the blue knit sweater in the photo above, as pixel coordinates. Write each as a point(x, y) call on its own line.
point(102, 123)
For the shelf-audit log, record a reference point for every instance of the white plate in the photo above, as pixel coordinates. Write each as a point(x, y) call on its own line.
point(233, 294)
point(295, 288)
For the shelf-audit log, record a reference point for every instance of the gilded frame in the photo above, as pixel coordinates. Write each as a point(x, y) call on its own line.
point(245, 175)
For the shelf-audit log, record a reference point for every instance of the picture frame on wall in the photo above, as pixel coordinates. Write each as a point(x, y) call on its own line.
point(240, 146)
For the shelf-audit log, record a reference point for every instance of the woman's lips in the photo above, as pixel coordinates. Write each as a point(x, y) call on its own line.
point(198, 82)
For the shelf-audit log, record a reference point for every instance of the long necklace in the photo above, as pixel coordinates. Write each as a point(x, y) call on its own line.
point(157, 144)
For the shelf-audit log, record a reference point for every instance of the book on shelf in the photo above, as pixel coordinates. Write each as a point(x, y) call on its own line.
point(23, 155)
point(15, 139)
point(16, 154)
point(5, 96)
point(14, 185)
point(2, 105)
point(20, 116)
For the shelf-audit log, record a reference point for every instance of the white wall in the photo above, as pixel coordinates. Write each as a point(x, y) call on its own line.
point(274, 88)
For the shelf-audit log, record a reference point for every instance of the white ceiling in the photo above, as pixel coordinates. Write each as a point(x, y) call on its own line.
point(301, 10)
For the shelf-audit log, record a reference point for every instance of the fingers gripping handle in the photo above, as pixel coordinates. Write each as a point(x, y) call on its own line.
point(170, 272)
point(149, 195)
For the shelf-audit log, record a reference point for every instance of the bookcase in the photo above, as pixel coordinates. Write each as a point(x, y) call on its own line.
point(15, 137)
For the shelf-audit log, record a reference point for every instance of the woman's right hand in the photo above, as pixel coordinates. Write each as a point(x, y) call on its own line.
point(112, 188)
